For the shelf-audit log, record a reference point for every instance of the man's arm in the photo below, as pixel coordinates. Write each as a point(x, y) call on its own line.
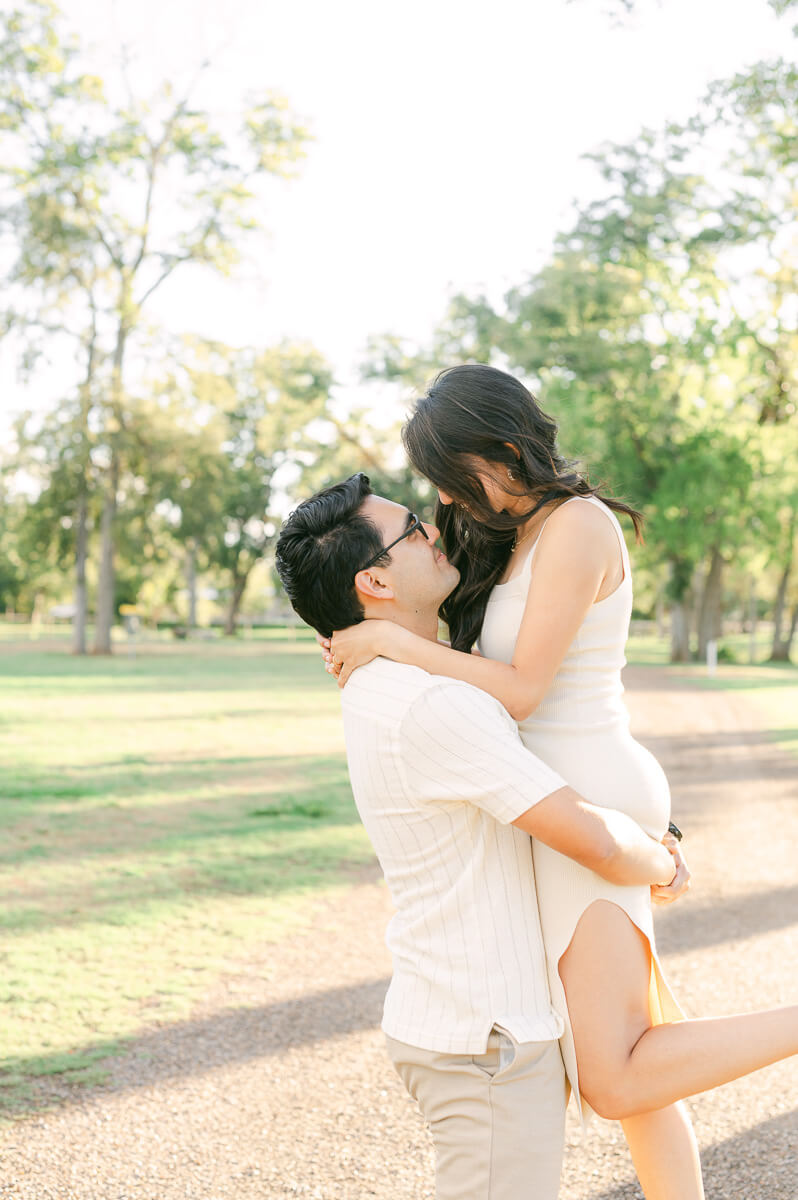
point(459, 744)
point(602, 839)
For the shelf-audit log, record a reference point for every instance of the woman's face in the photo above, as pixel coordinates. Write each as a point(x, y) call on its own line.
point(492, 477)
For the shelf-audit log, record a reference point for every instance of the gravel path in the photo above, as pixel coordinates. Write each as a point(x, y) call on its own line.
point(279, 1086)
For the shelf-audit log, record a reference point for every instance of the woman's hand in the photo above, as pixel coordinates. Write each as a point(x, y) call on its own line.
point(354, 647)
point(666, 894)
point(326, 654)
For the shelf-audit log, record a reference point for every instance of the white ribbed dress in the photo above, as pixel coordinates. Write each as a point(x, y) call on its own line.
point(581, 730)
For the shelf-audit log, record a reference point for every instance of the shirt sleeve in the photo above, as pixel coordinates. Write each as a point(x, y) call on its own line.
point(460, 744)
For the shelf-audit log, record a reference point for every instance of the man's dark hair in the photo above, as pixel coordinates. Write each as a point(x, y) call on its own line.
point(321, 547)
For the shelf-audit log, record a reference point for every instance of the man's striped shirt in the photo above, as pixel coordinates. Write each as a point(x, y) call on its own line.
point(438, 773)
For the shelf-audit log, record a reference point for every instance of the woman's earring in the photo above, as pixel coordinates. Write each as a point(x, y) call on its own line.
point(510, 475)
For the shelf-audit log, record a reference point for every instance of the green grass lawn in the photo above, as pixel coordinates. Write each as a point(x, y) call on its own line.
point(734, 648)
point(162, 814)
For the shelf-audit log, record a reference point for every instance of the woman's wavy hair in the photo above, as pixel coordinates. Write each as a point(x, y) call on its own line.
point(472, 412)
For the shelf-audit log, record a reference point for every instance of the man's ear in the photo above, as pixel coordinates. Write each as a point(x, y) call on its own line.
point(369, 587)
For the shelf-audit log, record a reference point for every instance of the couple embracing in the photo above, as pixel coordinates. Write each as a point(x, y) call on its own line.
point(522, 831)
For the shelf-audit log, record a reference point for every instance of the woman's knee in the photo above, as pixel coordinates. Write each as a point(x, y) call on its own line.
point(612, 1101)
point(605, 1090)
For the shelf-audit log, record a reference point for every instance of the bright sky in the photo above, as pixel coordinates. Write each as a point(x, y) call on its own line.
point(448, 136)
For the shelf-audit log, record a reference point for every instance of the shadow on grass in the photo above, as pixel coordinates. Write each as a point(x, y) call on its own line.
point(233, 1036)
point(294, 826)
point(163, 892)
point(261, 667)
point(124, 779)
point(757, 1162)
point(285, 846)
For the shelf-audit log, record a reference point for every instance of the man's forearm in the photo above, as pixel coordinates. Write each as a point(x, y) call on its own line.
point(634, 858)
point(602, 839)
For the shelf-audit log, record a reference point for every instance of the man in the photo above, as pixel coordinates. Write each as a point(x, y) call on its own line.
point(449, 797)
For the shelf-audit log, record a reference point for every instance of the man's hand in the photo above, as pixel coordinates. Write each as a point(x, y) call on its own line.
point(681, 881)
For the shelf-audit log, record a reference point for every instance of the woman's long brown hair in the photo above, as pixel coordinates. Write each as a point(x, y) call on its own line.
point(474, 412)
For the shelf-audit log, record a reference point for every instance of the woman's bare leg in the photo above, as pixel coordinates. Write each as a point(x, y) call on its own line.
point(665, 1154)
point(607, 969)
point(626, 1065)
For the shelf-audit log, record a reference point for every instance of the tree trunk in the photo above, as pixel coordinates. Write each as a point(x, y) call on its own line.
point(793, 628)
point(752, 610)
point(239, 584)
point(782, 645)
point(711, 608)
point(106, 580)
point(37, 617)
point(680, 632)
point(82, 519)
point(81, 550)
point(677, 593)
point(659, 612)
point(780, 650)
point(191, 582)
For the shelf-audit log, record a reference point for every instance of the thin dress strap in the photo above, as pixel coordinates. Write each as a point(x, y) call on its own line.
point(530, 554)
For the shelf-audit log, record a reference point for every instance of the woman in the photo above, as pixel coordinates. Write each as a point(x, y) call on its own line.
point(545, 587)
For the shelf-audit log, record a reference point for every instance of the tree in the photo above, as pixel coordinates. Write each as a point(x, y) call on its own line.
point(55, 527)
point(111, 200)
point(762, 326)
point(12, 578)
point(259, 408)
point(667, 360)
point(779, 487)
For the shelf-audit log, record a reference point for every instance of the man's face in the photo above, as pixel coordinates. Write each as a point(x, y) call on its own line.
point(419, 573)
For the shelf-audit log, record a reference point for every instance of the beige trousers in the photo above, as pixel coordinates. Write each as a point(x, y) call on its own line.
point(497, 1119)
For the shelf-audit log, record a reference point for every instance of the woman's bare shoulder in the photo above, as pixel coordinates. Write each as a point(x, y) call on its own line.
point(581, 517)
point(577, 533)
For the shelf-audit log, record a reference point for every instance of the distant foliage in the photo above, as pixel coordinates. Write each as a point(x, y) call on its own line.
point(662, 336)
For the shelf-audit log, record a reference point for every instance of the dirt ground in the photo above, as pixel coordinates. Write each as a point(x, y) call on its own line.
point(279, 1085)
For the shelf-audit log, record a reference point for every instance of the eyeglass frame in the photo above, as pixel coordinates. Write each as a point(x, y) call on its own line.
point(415, 523)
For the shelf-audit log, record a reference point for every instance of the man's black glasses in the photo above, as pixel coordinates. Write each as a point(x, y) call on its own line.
point(413, 523)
